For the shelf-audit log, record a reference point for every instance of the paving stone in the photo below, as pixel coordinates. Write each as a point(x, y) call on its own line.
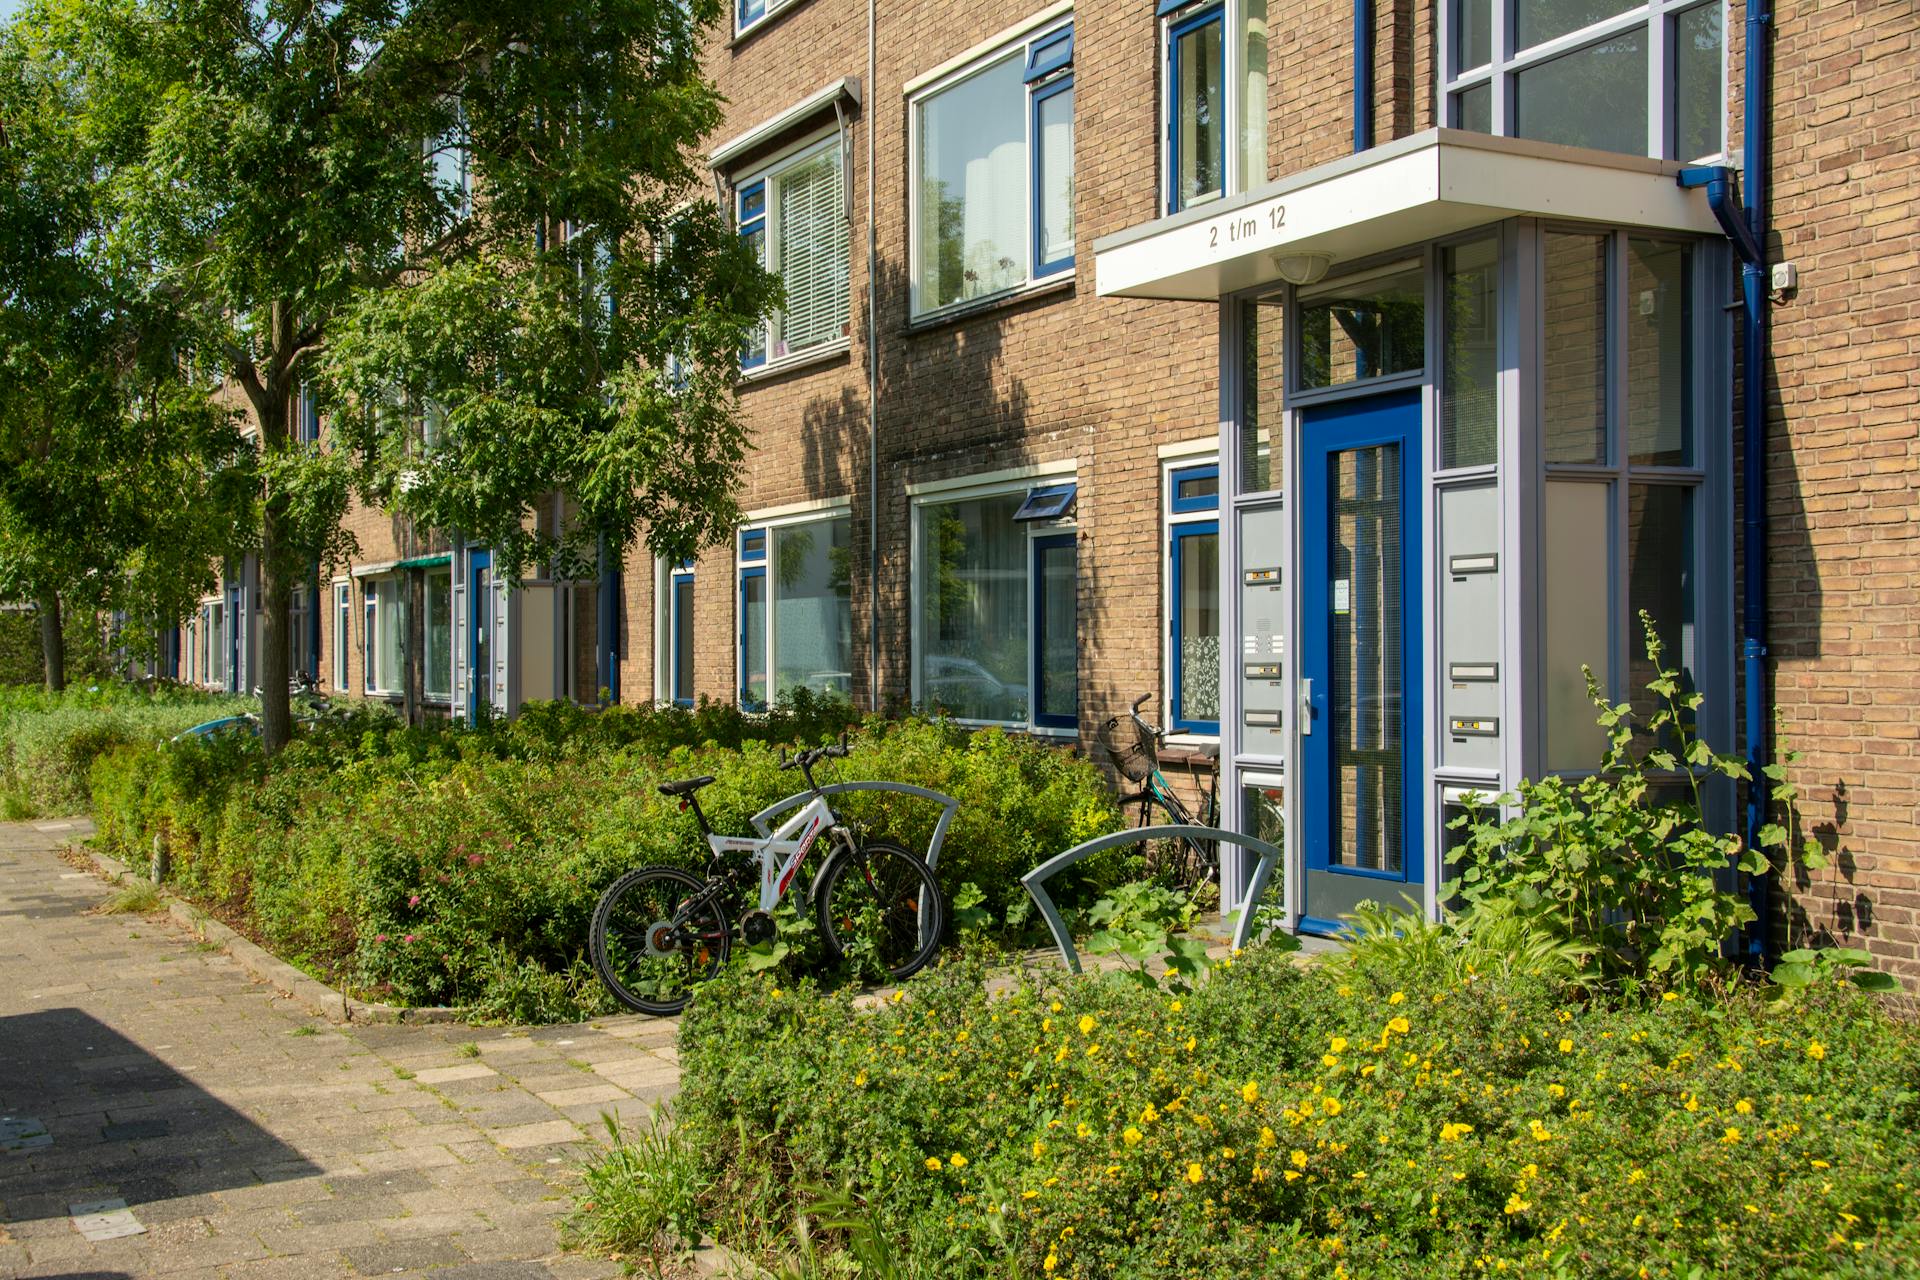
point(584, 1093)
point(545, 1133)
point(469, 1071)
point(403, 1255)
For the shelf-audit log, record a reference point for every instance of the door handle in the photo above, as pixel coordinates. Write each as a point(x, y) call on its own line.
point(1306, 707)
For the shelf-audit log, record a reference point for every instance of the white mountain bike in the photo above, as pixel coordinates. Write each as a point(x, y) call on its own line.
point(659, 931)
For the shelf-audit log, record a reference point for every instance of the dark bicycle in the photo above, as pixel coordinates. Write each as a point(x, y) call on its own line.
point(1184, 862)
point(659, 931)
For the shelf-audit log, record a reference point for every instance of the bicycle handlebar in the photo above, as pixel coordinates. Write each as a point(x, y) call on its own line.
point(1141, 701)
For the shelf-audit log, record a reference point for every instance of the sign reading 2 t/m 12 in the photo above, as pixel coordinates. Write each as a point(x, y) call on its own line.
point(1237, 229)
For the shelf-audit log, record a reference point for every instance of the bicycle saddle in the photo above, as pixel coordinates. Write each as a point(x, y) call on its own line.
point(684, 787)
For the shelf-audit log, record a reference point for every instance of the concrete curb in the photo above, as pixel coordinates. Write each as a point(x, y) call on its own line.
point(308, 992)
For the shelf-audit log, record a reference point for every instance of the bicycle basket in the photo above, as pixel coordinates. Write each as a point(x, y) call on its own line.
point(1129, 746)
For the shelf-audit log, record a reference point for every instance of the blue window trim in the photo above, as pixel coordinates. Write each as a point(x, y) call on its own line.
point(308, 430)
point(1050, 53)
point(1037, 606)
point(1190, 529)
point(1042, 267)
point(1048, 502)
point(683, 573)
point(749, 12)
point(747, 702)
point(1183, 506)
point(749, 225)
point(479, 560)
point(755, 553)
point(1176, 32)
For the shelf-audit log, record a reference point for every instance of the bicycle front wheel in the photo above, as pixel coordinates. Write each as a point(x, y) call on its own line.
point(878, 906)
point(655, 935)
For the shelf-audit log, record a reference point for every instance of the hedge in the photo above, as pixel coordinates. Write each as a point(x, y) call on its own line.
point(433, 866)
point(1359, 1119)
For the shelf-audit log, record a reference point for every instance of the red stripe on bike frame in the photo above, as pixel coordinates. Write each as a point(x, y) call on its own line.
point(800, 856)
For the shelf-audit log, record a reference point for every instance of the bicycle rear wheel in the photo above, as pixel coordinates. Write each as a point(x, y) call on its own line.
point(655, 936)
point(878, 906)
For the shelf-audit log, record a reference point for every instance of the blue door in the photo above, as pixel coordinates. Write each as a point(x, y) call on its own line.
point(234, 673)
point(1054, 677)
point(1360, 655)
point(479, 638)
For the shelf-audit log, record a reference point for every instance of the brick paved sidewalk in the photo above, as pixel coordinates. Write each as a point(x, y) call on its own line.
point(247, 1138)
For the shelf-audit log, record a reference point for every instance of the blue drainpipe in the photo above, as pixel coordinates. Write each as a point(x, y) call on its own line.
point(608, 656)
point(1746, 227)
point(1362, 75)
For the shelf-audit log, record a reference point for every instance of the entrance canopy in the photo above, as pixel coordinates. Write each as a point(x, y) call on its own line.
point(1404, 192)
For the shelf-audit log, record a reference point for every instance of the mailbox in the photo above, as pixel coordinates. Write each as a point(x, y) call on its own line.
point(1263, 617)
point(1471, 661)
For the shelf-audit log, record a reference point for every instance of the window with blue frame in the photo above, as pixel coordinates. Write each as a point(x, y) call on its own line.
point(748, 14)
point(680, 634)
point(1193, 598)
point(993, 165)
point(792, 215)
point(1214, 83)
point(796, 609)
point(449, 167)
point(306, 426)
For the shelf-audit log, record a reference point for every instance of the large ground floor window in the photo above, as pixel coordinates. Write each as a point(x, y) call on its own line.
point(995, 606)
point(437, 617)
point(1193, 597)
point(795, 609)
point(385, 636)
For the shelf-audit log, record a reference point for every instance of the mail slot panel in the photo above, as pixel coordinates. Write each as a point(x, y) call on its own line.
point(1263, 638)
point(1470, 627)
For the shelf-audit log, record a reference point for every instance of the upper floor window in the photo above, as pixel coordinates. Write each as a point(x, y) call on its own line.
point(448, 168)
point(793, 215)
point(993, 172)
point(748, 14)
point(1645, 77)
point(1214, 87)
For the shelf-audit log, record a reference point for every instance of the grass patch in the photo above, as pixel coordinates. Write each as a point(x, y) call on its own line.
point(134, 897)
point(467, 1049)
point(642, 1198)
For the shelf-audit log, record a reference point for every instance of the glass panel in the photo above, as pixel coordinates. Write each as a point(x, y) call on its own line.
point(1472, 34)
point(1579, 624)
point(1659, 354)
point(1573, 409)
point(438, 680)
point(1253, 104)
point(972, 215)
point(1366, 328)
point(1053, 124)
point(753, 641)
point(1199, 607)
point(1469, 405)
point(1198, 488)
point(1593, 97)
point(1699, 84)
point(1473, 109)
point(1262, 364)
point(392, 623)
point(1365, 641)
point(216, 644)
point(1059, 692)
point(811, 254)
point(683, 639)
point(812, 608)
point(481, 606)
point(972, 597)
point(1538, 21)
point(756, 242)
point(1659, 581)
point(1200, 126)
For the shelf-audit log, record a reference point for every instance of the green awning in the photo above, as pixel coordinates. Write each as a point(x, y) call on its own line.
point(426, 562)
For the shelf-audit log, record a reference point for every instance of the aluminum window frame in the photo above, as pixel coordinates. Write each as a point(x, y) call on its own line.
point(1038, 37)
point(765, 177)
point(1659, 17)
point(1182, 16)
point(948, 494)
point(755, 564)
point(342, 630)
point(679, 575)
point(1186, 518)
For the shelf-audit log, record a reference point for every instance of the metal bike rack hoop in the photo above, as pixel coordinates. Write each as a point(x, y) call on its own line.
point(1036, 879)
point(763, 821)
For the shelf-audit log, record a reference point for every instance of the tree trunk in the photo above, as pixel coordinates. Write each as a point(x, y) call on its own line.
point(53, 642)
point(276, 607)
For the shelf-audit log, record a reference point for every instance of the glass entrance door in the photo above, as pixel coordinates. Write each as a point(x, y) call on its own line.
point(1360, 655)
point(479, 638)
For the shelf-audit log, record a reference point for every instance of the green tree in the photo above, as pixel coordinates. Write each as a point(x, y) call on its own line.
point(413, 207)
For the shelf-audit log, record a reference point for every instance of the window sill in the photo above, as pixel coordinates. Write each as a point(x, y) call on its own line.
point(789, 364)
point(742, 37)
point(1046, 288)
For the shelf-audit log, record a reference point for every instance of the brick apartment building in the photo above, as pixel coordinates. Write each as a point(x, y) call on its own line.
point(1393, 351)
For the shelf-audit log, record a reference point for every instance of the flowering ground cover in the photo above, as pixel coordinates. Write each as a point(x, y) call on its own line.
point(1403, 1112)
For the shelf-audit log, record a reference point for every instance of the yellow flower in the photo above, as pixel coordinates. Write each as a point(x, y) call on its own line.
point(1731, 1136)
point(1816, 1051)
point(1195, 1173)
point(1329, 1059)
point(898, 996)
point(1821, 1164)
point(1131, 1137)
point(1176, 1006)
point(1453, 1132)
point(1053, 1260)
point(1558, 1091)
point(1398, 997)
point(1093, 1051)
point(1192, 1041)
point(1250, 1092)
point(1055, 1006)
point(1638, 1175)
point(1293, 1175)
point(1266, 1136)
point(957, 1160)
point(1046, 1024)
point(1669, 997)
point(1338, 1044)
point(1516, 1205)
point(1083, 1129)
point(1299, 1159)
point(933, 1163)
point(1744, 1107)
point(1539, 1131)
point(1028, 1194)
point(1087, 1024)
point(1692, 1103)
point(1399, 1026)
point(1566, 1046)
point(1331, 1106)
point(1039, 1148)
point(777, 993)
point(860, 1079)
point(1149, 1115)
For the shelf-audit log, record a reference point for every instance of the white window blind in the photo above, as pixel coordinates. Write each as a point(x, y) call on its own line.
point(811, 254)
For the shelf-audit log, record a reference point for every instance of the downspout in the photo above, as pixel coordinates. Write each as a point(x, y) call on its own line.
point(1747, 229)
point(1362, 75)
point(873, 390)
point(606, 657)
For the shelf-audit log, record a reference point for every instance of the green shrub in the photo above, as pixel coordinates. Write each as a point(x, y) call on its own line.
point(439, 865)
point(1283, 1120)
point(48, 742)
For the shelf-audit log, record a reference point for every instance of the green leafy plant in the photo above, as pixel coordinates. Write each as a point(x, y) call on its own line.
point(1804, 967)
point(1141, 923)
point(641, 1197)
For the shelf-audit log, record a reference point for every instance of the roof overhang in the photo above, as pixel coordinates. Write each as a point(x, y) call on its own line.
point(845, 89)
point(1399, 194)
